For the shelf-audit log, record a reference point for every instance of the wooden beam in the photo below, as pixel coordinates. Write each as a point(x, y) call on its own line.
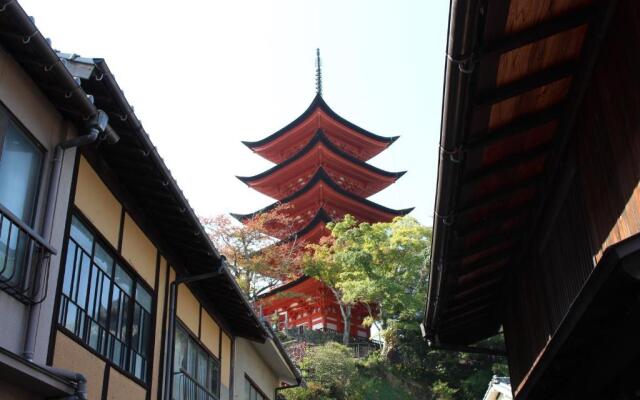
point(519, 126)
point(489, 269)
point(464, 316)
point(530, 82)
point(500, 195)
point(508, 163)
point(448, 327)
point(488, 224)
point(482, 286)
point(461, 305)
point(484, 261)
point(491, 241)
point(539, 31)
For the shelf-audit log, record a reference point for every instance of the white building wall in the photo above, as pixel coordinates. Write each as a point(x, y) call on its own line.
point(248, 361)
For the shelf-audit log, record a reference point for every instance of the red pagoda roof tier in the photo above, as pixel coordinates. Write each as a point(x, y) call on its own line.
point(291, 284)
point(347, 171)
point(321, 192)
point(315, 229)
point(349, 137)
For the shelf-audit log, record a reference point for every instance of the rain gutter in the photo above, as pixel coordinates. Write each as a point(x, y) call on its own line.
point(463, 21)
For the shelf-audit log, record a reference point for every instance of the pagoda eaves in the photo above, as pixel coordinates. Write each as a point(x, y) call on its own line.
point(349, 137)
point(314, 230)
point(321, 191)
point(321, 175)
point(347, 171)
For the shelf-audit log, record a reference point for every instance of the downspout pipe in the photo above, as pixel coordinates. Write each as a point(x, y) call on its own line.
point(98, 129)
point(459, 66)
point(170, 340)
point(300, 383)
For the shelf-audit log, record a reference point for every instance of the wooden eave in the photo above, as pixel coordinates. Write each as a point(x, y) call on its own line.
point(596, 342)
point(322, 192)
point(347, 136)
point(347, 171)
point(132, 166)
point(515, 77)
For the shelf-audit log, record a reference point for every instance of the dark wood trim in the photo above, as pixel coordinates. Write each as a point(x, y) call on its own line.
point(138, 280)
point(130, 207)
point(63, 257)
point(195, 337)
point(121, 228)
point(118, 258)
point(189, 332)
point(198, 341)
point(105, 382)
point(163, 329)
point(530, 82)
point(232, 365)
point(152, 341)
point(540, 31)
point(72, 336)
point(221, 359)
point(14, 118)
point(220, 344)
point(199, 320)
point(124, 198)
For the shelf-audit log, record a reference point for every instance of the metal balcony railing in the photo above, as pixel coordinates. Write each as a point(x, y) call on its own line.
point(24, 259)
point(186, 387)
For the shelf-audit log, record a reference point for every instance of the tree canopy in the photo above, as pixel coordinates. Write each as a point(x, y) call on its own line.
point(380, 265)
point(386, 265)
point(257, 258)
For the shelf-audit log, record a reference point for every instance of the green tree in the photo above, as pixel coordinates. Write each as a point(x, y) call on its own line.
point(329, 371)
point(386, 264)
point(380, 264)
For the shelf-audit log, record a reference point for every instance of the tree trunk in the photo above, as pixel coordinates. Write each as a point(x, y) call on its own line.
point(345, 310)
point(346, 317)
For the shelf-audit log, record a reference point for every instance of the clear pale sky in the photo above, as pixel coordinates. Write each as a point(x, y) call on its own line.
point(204, 75)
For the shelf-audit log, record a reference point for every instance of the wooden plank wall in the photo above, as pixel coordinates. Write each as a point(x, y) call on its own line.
point(547, 285)
point(602, 203)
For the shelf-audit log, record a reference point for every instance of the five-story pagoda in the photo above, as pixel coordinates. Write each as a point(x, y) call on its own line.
point(321, 174)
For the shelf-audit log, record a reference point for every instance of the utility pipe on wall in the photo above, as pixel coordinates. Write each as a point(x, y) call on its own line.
point(98, 130)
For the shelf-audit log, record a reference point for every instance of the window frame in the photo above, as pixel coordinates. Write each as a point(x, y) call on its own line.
point(4, 124)
point(25, 269)
point(118, 260)
point(255, 386)
point(194, 338)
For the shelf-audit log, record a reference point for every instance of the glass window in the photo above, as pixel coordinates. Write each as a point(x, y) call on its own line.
point(20, 168)
point(104, 305)
point(196, 374)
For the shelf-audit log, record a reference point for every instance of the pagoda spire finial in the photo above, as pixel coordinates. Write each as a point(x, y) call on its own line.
point(318, 74)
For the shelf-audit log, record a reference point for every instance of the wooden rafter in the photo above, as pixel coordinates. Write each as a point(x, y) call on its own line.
point(539, 32)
